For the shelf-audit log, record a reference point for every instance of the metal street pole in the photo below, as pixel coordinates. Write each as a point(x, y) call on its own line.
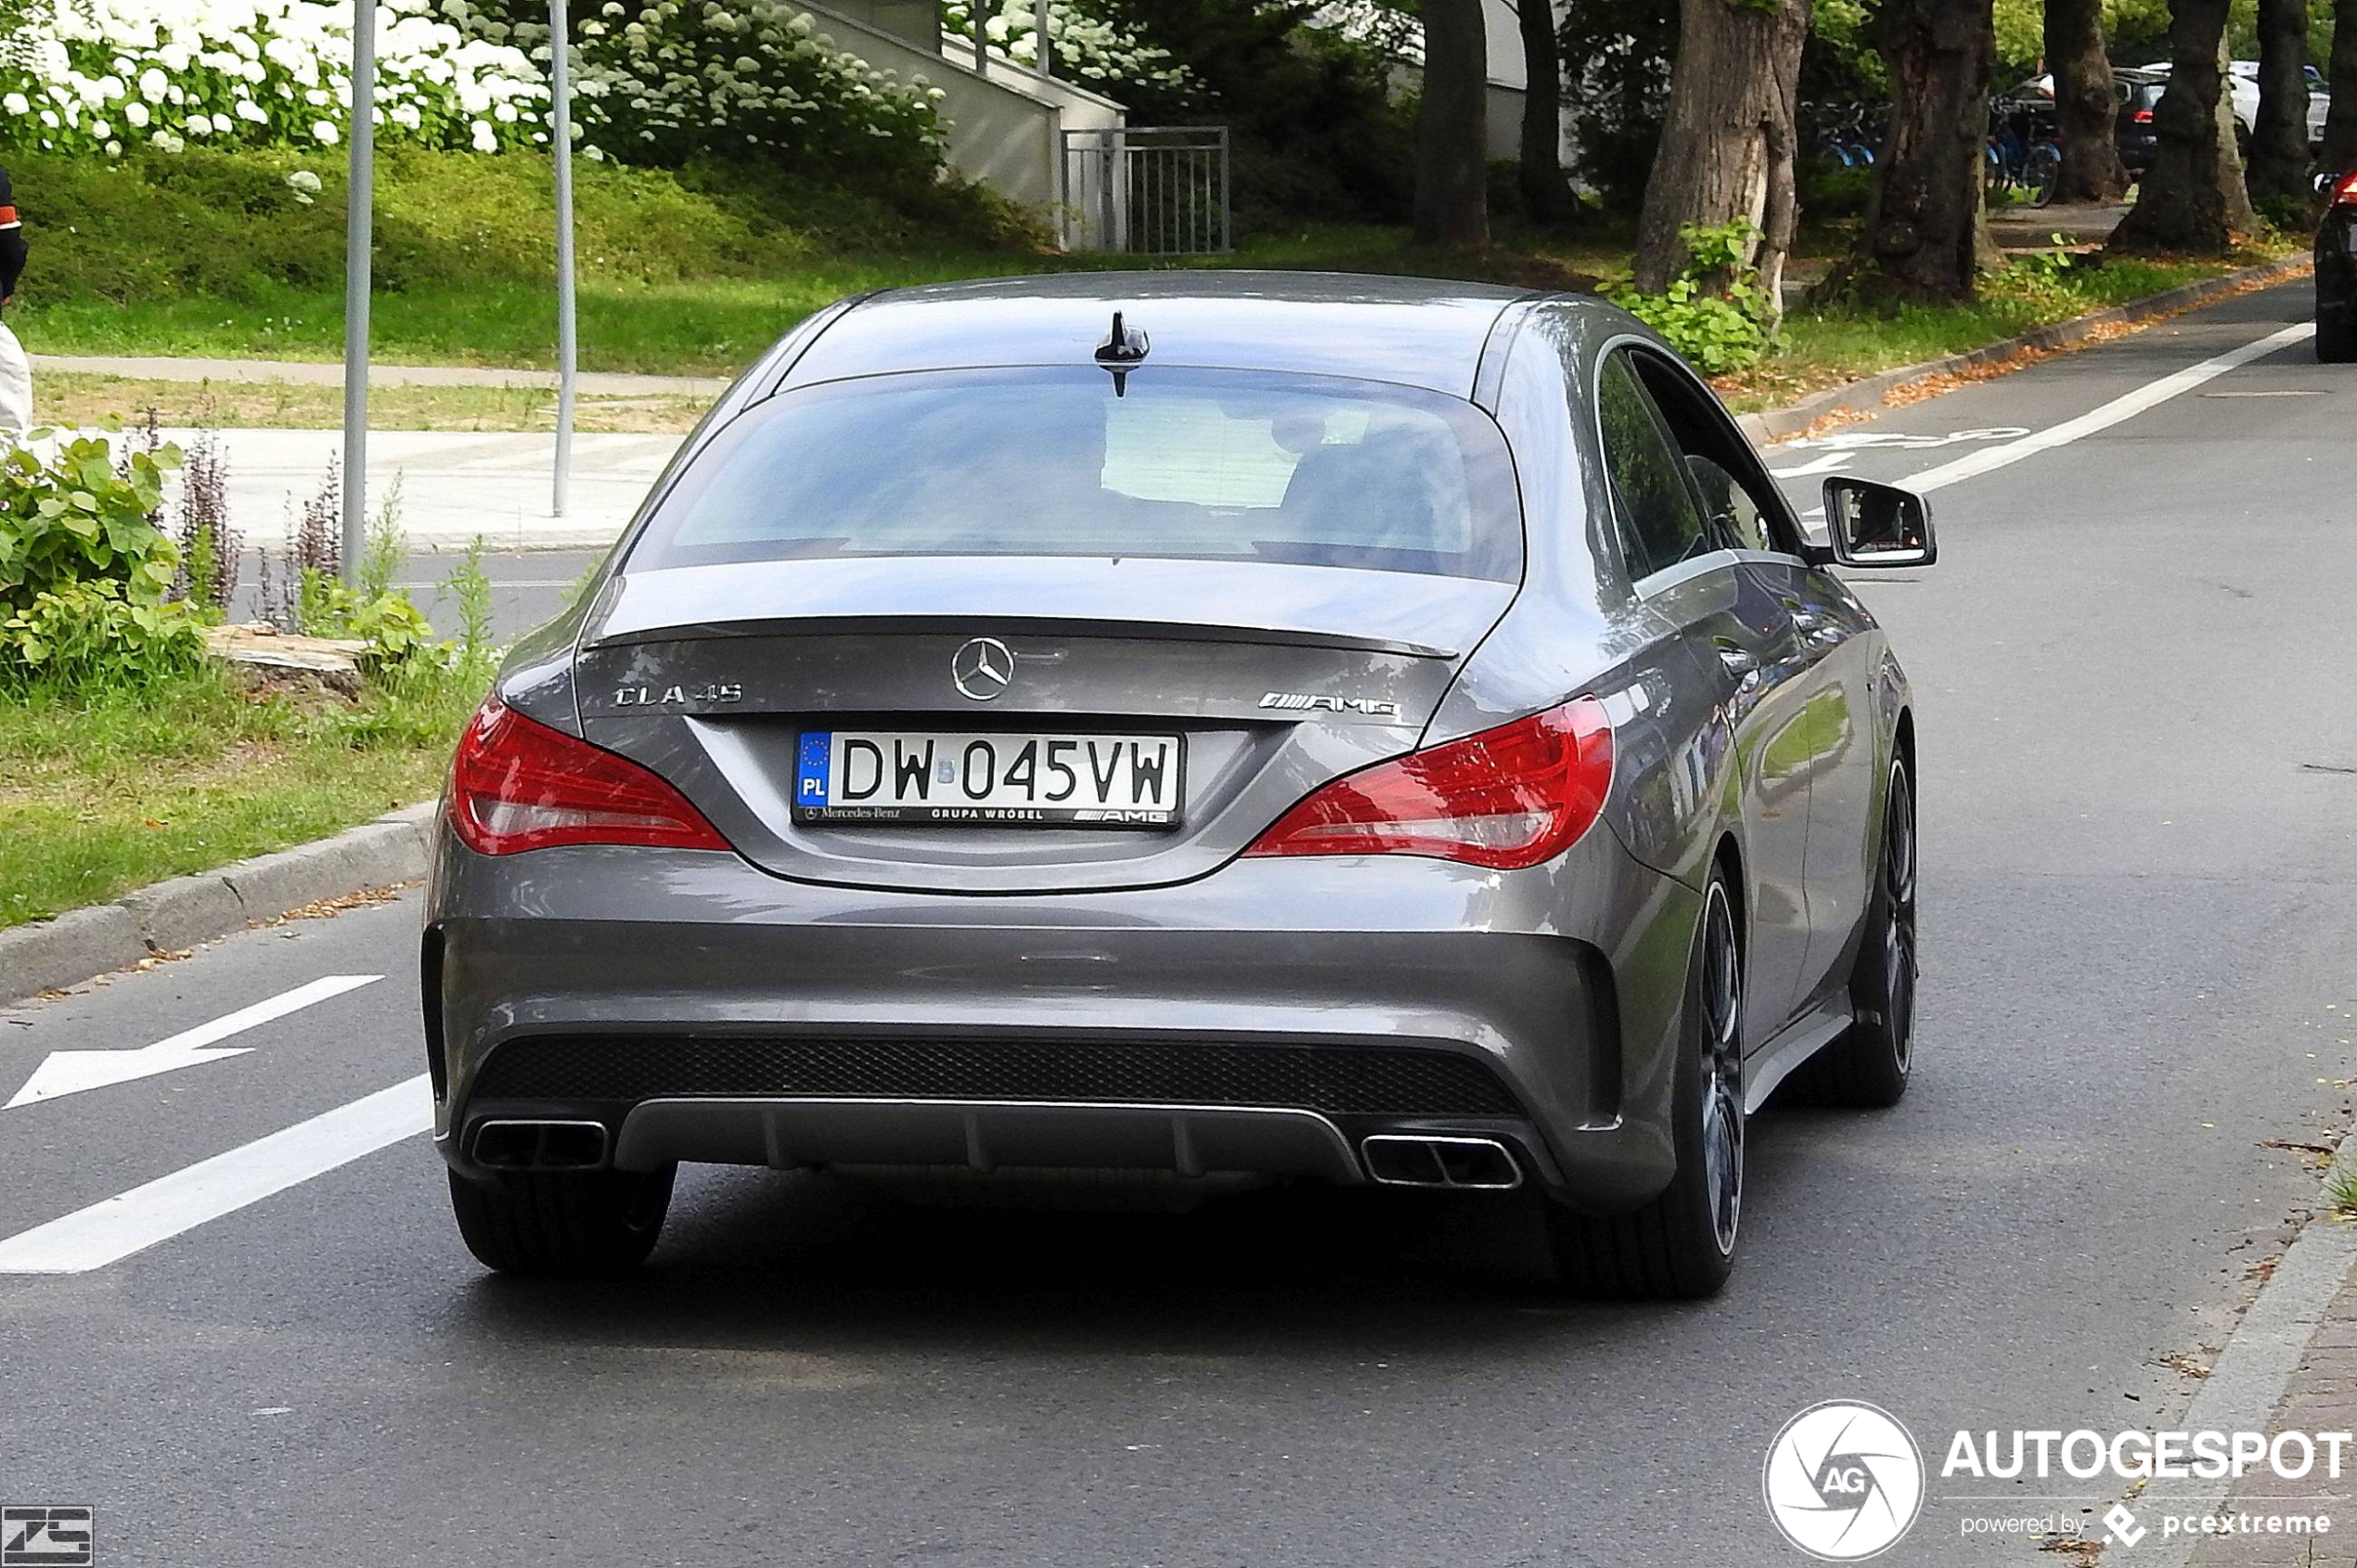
point(1041, 49)
point(561, 128)
point(360, 205)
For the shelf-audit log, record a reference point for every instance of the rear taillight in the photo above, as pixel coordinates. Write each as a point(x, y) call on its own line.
point(1505, 798)
point(519, 785)
point(2345, 193)
point(2142, 117)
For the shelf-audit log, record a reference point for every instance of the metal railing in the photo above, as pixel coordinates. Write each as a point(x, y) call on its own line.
point(1156, 190)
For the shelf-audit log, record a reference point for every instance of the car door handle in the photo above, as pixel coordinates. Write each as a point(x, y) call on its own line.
point(1740, 662)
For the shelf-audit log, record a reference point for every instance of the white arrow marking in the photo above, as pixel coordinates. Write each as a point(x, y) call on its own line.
point(113, 1228)
point(67, 1073)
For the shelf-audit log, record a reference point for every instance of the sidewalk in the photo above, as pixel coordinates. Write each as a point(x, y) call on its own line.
point(600, 383)
point(455, 484)
point(2322, 1398)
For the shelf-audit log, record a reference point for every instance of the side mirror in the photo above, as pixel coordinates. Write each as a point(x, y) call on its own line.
point(1878, 525)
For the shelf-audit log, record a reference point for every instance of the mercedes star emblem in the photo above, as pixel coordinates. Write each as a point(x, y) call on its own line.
point(982, 668)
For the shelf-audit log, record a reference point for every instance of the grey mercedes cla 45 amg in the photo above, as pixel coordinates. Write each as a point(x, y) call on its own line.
point(1219, 725)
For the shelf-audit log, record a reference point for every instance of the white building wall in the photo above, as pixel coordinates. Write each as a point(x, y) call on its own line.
point(1004, 128)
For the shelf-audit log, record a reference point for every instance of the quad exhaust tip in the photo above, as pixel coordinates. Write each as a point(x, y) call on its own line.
point(540, 1146)
point(1416, 1160)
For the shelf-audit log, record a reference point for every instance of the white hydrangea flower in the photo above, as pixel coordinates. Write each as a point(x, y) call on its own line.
point(16, 103)
point(323, 131)
point(484, 138)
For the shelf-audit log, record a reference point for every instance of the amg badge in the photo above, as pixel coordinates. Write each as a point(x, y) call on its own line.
point(1303, 702)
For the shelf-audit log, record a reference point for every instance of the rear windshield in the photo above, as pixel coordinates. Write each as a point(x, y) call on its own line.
point(1193, 465)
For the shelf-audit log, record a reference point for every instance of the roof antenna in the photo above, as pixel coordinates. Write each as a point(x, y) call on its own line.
point(1121, 351)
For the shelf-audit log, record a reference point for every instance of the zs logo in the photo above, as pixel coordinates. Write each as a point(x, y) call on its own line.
point(50, 1537)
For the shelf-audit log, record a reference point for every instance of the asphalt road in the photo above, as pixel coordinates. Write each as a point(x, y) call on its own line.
point(2139, 785)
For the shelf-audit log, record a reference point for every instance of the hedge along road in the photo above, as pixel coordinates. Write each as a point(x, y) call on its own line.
point(2136, 881)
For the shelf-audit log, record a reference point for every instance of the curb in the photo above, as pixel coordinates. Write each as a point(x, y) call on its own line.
point(1868, 394)
point(172, 915)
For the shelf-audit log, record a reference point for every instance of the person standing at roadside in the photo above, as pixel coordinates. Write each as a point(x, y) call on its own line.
point(16, 370)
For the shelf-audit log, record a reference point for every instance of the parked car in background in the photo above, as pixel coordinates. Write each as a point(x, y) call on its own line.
point(2336, 272)
point(2139, 93)
point(2244, 80)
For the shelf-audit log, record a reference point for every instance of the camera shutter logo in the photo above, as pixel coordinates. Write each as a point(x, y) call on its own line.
point(1843, 1481)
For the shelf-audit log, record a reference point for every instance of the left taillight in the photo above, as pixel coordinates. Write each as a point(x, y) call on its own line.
point(2345, 193)
point(518, 785)
point(1506, 798)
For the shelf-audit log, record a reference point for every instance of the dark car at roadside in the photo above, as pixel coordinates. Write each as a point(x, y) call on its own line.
point(2139, 93)
point(2336, 272)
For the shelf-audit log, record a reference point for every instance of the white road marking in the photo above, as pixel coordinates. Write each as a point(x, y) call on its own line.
point(1824, 464)
point(113, 1228)
point(2125, 407)
point(67, 1073)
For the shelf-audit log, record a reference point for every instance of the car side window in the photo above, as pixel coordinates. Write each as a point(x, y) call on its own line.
point(1661, 523)
point(1734, 515)
point(1744, 510)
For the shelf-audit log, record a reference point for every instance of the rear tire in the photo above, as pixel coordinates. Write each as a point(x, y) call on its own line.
point(2336, 334)
point(562, 1224)
point(1681, 1246)
point(1867, 1068)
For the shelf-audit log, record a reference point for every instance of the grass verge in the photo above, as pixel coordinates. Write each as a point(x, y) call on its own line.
point(1822, 348)
point(107, 791)
point(74, 398)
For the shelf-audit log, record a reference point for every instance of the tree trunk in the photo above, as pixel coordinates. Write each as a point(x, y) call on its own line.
point(2182, 203)
point(2234, 184)
point(2279, 141)
point(1728, 141)
point(2340, 125)
point(1545, 198)
point(1922, 228)
point(2084, 109)
point(1452, 198)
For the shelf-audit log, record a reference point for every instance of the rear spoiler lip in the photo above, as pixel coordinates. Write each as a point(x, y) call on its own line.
point(1030, 625)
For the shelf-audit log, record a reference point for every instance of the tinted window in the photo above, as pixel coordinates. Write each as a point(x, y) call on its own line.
point(1660, 525)
point(1741, 521)
point(1186, 464)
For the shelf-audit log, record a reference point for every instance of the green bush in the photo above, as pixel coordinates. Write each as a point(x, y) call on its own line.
point(84, 634)
point(81, 517)
point(1716, 329)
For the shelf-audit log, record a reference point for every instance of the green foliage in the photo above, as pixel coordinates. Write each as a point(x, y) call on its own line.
point(82, 517)
point(469, 586)
point(1716, 329)
point(665, 81)
point(226, 227)
point(395, 630)
point(1316, 132)
point(1616, 58)
point(89, 635)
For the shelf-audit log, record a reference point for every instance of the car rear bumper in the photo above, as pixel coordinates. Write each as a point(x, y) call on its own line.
point(1267, 1019)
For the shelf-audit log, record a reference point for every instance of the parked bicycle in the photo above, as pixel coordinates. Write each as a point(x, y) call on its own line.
point(2023, 156)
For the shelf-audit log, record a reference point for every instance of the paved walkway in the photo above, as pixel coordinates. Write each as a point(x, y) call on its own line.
point(2323, 1397)
point(330, 373)
point(455, 484)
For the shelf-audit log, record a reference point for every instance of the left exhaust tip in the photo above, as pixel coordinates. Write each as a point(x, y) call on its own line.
point(540, 1146)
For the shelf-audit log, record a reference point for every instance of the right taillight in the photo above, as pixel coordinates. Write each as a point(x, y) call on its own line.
point(2345, 193)
point(518, 785)
point(1507, 798)
point(2142, 117)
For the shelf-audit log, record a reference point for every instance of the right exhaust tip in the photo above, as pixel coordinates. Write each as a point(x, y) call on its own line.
point(1481, 1164)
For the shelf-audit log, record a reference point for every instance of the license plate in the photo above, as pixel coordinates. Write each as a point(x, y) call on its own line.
point(998, 781)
